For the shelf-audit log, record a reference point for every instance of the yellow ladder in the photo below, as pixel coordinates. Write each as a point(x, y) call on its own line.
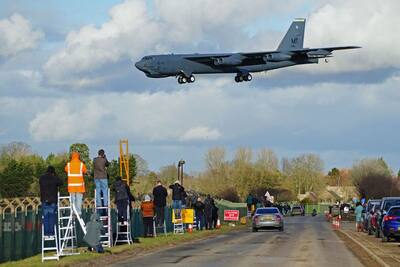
point(124, 160)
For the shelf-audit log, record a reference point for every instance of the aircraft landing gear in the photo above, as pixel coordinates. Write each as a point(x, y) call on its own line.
point(243, 77)
point(183, 79)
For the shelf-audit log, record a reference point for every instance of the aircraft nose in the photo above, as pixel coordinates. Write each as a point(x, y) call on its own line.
point(139, 65)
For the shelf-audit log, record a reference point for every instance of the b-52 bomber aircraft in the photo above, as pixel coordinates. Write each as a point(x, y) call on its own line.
point(290, 52)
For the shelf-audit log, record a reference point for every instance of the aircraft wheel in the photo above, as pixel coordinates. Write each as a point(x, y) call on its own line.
point(237, 79)
point(191, 79)
point(248, 77)
point(184, 79)
point(180, 80)
point(241, 78)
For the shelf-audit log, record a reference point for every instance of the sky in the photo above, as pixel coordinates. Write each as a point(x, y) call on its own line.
point(67, 76)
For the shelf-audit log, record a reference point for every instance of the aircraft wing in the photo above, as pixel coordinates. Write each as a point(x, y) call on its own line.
point(256, 58)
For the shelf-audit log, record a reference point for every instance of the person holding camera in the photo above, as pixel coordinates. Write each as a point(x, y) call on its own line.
point(100, 165)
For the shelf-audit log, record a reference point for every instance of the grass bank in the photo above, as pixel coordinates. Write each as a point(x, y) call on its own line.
point(121, 252)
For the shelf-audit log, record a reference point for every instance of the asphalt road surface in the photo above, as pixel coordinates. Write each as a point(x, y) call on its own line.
point(306, 241)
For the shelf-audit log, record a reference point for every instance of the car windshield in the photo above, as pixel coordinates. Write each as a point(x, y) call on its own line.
point(391, 202)
point(395, 212)
point(267, 211)
point(372, 204)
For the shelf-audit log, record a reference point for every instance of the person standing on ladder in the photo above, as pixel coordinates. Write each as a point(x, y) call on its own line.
point(100, 164)
point(49, 183)
point(76, 184)
point(177, 196)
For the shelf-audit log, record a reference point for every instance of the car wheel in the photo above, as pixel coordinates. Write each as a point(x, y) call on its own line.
point(385, 238)
point(255, 229)
point(281, 229)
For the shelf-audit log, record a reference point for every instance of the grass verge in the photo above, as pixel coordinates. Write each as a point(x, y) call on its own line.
point(121, 252)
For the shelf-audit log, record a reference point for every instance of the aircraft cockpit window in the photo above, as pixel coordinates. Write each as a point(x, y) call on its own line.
point(147, 58)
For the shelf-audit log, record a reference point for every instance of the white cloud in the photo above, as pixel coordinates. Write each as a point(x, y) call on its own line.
point(367, 23)
point(16, 35)
point(323, 111)
point(201, 133)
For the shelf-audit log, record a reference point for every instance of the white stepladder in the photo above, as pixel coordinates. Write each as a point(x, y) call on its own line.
point(46, 247)
point(67, 228)
point(178, 223)
point(123, 234)
point(106, 236)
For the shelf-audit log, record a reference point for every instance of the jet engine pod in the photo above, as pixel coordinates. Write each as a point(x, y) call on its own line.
point(276, 57)
point(234, 59)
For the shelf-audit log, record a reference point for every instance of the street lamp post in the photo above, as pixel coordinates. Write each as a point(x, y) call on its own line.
point(180, 171)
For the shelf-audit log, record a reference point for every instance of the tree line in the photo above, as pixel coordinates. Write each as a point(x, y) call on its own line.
point(231, 179)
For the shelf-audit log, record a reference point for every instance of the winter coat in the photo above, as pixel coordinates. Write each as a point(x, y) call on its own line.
point(99, 167)
point(147, 208)
point(93, 231)
point(121, 191)
point(208, 206)
point(199, 207)
point(249, 200)
point(49, 184)
point(160, 196)
point(178, 192)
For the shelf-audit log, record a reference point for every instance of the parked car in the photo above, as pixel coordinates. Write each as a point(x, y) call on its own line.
point(267, 218)
point(387, 202)
point(391, 224)
point(372, 218)
point(297, 210)
point(368, 211)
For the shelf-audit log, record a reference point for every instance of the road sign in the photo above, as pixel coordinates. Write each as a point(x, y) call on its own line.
point(231, 215)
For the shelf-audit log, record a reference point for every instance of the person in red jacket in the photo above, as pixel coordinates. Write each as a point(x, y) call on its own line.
point(75, 169)
point(147, 208)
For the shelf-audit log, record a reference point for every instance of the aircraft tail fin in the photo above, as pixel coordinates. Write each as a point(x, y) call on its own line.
point(294, 37)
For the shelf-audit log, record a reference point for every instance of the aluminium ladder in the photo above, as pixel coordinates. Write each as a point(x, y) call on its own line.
point(106, 235)
point(178, 223)
point(46, 247)
point(123, 234)
point(67, 215)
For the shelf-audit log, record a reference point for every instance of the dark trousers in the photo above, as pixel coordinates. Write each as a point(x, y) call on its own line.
point(49, 217)
point(122, 207)
point(208, 221)
point(199, 220)
point(160, 215)
point(148, 226)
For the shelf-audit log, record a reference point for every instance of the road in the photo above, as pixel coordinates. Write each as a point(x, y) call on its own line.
point(306, 241)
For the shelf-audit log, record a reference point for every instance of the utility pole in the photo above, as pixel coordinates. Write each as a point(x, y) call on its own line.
point(180, 171)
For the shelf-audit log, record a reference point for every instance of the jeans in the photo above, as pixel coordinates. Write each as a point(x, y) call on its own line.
point(160, 211)
point(76, 199)
point(101, 186)
point(199, 220)
point(49, 217)
point(177, 206)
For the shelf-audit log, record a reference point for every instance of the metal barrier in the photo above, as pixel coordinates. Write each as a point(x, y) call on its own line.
point(20, 230)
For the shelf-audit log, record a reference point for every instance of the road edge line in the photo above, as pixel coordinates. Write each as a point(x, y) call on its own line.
point(367, 250)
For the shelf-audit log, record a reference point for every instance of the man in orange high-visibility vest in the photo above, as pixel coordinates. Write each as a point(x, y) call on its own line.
point(76, 185)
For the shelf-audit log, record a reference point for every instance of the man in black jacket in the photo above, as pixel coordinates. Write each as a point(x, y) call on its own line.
point(160, 201)
point(208, 212)
point(178, 195)
point(199, 212)
point(123, 197)
point(49, 183)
